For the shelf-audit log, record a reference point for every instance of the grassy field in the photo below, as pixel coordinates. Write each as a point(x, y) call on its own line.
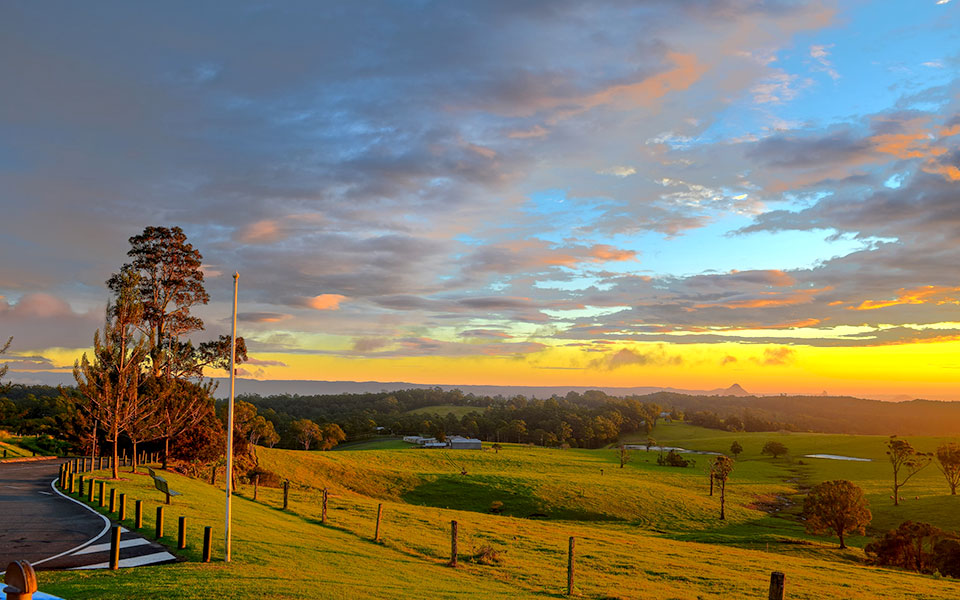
point(643, 531)
point(15, 447)
point(926, 497)
point(445, 409)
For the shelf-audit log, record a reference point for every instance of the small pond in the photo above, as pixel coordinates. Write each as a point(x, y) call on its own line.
point(837, 457)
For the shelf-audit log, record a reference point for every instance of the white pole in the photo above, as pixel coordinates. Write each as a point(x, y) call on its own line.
point(233, 373)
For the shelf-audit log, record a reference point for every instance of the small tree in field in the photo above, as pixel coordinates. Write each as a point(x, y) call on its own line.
point(650, 443)
point(774, 448)
point(720, 470)
point(948, 457)
point(496, 448)
point(623, 453)
point(736, 449)
point(906, 461)
point(307, 432)
point(837, 507)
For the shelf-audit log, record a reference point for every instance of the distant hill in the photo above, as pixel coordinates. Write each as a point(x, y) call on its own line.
point(315, 388)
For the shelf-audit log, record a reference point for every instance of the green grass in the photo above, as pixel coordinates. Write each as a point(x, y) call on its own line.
point(445, 409)
point(17, 447)
point(643, 531)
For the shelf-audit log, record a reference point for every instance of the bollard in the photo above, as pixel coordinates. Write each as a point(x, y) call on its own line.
point(570, 556)
point(159, 522)
point(103, 499)
point(90, 493)
point(182, 534)
point(207, 535)
point(323, 510)
point(286, 493)
point(21, 581)
point(122, 513)
point(115, 548)
point(113, 500)
point(80, 490)
point(256, 484)
point(100, 463)
point(138, 515)
point(453, 543)
point(72, 483)
point(776, 586)
point(376, 536)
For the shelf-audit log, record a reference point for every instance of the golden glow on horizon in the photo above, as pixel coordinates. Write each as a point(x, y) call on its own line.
point(929, 370)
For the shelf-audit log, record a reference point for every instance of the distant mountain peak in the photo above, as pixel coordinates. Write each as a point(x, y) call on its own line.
point(737, 390)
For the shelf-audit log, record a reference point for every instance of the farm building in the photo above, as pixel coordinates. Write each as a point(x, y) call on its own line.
point(457, 442)
point(419, 440)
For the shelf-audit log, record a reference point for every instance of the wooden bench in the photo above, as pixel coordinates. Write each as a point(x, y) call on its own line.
point(161, 484)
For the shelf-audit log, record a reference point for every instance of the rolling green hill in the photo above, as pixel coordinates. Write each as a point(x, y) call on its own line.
point(643, 531)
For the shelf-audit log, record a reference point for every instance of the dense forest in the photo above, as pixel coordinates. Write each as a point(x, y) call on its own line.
point(590, 420)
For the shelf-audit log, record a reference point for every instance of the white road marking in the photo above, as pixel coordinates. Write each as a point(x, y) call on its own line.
point(106, 547)
point(139, 561)
point(47, 493)
point(106, 527)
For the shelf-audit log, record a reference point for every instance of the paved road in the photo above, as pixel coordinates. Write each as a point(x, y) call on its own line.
point(53, 532)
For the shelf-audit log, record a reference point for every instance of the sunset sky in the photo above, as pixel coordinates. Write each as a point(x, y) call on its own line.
point(503, 192)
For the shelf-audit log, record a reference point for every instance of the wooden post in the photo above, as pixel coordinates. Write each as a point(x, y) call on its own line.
point(138, 514)
point(159, 523)
point(453, 543)
point(113, 500)
point(207, 535)
point(286, 493)
point(376, 536)
point(115, 548)
point(182, 533)
point(122, 513)
point(90, 493)
point(776, 586)
point(323, 509)
point(80, 490)
point(100, 487)
point(256, 485)
point(71, 483)
point(570, 557)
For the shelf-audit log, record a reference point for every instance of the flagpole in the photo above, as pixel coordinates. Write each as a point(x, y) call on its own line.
point(233, 376)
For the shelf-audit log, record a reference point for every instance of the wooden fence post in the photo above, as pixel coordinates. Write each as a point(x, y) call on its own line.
point(122, 513)
point(207, 535)
point(115, 549)
point(159, 522)
point(776, 586)
point(90, 493)
point(376, 537)
point(570, 556)
point(113, 500)
point(453, 543)
point(100, 487)
point(286, 494)
point(182, 533)
point(138, 515)
point(323, 509)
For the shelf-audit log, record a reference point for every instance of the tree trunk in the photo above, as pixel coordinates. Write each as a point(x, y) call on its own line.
point(133, 461)
point(166, 451)
point(896, 493)
point(116, 459)
point(723, 499)
point(842, 545)
point(711, 484)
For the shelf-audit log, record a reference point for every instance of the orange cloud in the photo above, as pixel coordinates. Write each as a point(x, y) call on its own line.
point(920, 295)
point(261, 232)
point(603, 252)
point(907, 145)
point(769, 299)
point(326, 301)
